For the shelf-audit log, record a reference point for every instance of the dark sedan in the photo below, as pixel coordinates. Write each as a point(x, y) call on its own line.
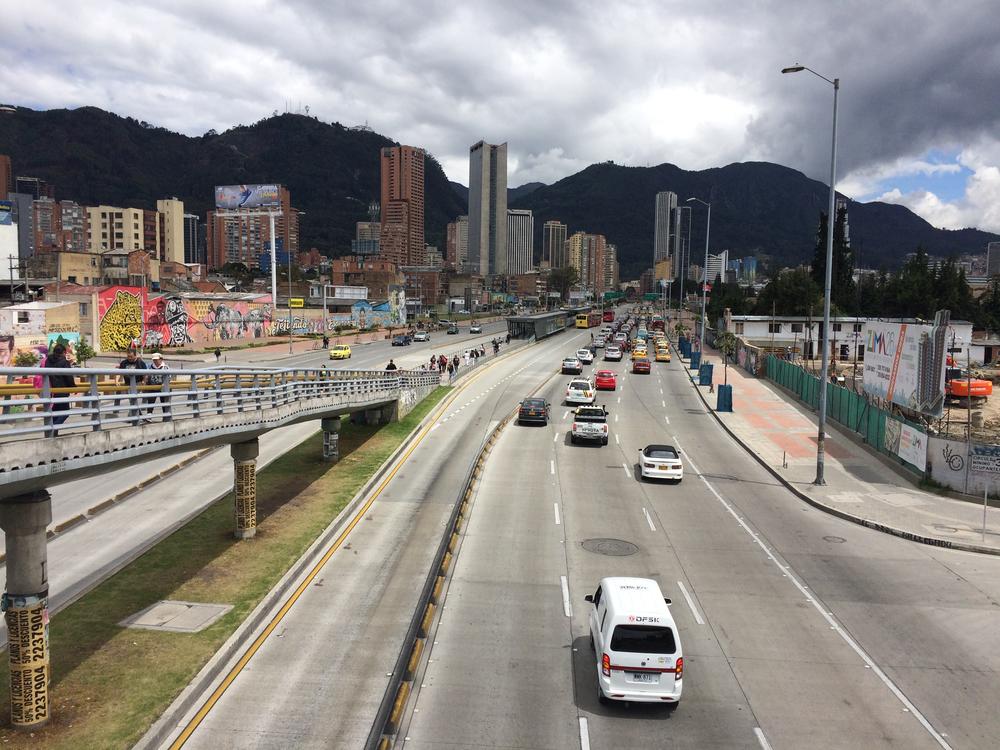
point(533, 410)
point(402, 340)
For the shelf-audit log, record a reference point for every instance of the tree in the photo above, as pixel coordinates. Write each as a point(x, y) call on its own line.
point(989, 307)
point(790, 293)
point(726, 296)
point(725, 342)
point(26, 358)
point(84, 351)
point(563, 279)
point(842, 293)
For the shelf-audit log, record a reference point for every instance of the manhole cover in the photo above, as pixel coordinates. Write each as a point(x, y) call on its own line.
point(613, 547)
point(834, 539)
point(177, 617)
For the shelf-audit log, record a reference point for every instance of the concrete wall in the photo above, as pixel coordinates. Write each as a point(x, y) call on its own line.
point(408, 399)
point(964, 467)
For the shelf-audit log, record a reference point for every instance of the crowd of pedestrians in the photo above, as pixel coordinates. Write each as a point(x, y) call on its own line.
point(451, 366)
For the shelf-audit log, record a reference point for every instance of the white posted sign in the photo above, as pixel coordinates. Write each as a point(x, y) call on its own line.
point(904, 364)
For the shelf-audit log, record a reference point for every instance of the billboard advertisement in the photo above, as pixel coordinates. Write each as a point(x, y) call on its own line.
point(904, 364)
point(6, 213)
point(247, 196)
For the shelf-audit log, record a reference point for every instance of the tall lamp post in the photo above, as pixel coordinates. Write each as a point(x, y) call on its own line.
point(830, 220)
point(704, 283)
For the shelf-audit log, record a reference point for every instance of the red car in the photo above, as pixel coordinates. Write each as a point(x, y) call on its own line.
point(641, 364)
point(605, 380)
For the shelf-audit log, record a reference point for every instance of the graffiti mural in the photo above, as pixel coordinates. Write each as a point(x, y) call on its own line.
point(7, 348)
point(120, 314)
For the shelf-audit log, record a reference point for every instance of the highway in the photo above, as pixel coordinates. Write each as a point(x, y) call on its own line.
point(323, 672)
point(799, 630)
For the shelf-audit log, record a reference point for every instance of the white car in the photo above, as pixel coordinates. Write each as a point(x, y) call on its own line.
point(661, 462)
point(620, 338)
point(475, 329)
point(580, 392)
point(585, 356)
point(600, 341)
point(421, 336)
point(590, 423)
point(613, 354)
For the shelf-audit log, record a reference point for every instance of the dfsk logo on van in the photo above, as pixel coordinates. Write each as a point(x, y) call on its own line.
point(634, 618)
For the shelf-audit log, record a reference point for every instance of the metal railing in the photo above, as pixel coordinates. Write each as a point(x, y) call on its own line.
point(101, 399)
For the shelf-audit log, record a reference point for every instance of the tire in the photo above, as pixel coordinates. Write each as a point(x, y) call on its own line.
point(572, 439)
point(601, 697)
point(604, 441)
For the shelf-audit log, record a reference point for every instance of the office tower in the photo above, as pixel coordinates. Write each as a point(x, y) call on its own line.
point(554, 244)
point(717, 265)
point(664, 230)
point(586, 253)
point(611, 279)
point(681, 238)
point(191, 247)
point(6, 177)
point(992, 259)
point(244, 237)
point(520, 241)
point(36, 187)
point(488, 208)
point(171, 212)
point(401, 236)
point(457, 245)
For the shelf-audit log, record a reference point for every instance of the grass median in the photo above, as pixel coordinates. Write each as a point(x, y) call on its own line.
point(109, 684)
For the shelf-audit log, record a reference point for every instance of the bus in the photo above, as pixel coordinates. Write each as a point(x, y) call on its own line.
point(588, 320)
point(657, 323)
point(609, 316)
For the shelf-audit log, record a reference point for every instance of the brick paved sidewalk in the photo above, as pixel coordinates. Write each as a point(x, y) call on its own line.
point(861, 486)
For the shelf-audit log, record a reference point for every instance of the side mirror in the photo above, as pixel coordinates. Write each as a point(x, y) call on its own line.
point(589, 598)
point(667, 601)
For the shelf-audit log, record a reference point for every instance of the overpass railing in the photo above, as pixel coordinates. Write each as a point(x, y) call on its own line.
point(101, 399)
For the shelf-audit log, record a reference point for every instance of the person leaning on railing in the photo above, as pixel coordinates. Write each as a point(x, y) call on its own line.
point(57, 359)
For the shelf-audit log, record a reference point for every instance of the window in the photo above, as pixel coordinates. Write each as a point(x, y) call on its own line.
point(22, 317)
point(83, 309)
point(857, 328)
point(796, 328)
point(71, 279)
point(774, 327)
point(836, 327)
point(643, 639)
point(597, 596)
point(739, 328)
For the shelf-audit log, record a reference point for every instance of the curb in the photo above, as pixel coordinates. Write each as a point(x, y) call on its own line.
point(196, 690)
point(859, 520)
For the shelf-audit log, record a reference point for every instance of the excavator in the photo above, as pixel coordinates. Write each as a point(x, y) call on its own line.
point(959, 384)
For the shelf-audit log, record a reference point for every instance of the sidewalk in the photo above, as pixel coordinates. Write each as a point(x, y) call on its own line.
point(860, 487)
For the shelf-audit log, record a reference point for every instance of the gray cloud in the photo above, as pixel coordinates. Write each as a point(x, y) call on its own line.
point(564, 83)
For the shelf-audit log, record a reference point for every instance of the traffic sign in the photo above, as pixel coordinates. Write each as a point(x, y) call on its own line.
point(296, 302)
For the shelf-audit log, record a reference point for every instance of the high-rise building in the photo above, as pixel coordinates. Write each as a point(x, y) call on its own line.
point(243, 237)
point(681, 239)
point(554, 244)
point(401, 237)
point(368, 230)
point(586, 253)
point(992, 259)
point(6, 177)
point(172, 223)
point(36, 187)
point(665, 228)
point(611, 279)
point(192, 250)
point(520, 241)
point(717, 265)
point(488, 208)
point(457, 244)
point(114, 228)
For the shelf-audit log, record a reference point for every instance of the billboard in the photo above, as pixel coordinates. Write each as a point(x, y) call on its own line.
point(904, 364)
point(247, 196)
point(6, 213)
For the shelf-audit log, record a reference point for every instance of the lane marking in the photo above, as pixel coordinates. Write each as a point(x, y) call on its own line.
point(584, 734)
point(649, 520)
point(690, 601)
point(555, 438)
point(565, 415)
point(625, 467)
point(666, 418)
point(567, 607)
point(619, 399)
point(854, 645)
point(616, 417)
point(617, 441)
point(552, 467)
point(555, 508)
point(759, 734)
point(664, 404)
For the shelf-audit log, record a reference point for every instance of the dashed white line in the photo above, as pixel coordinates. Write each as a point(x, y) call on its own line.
point(664, 404)
point(555, 509)
point(649, 520)
point(565, 415)
point(690, 601)
point(619, 399)
point(567, 607)
point(862, 654)
point(625, 467)
point(552, 467)
point(555, 438)
point(759, 734)
point(584, 734)
point(617, 441)
point(616, 417)
point(666, 418)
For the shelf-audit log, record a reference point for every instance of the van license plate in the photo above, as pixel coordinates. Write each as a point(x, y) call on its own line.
point(650, 677)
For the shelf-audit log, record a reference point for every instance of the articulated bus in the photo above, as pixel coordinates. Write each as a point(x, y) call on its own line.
point(588, 320)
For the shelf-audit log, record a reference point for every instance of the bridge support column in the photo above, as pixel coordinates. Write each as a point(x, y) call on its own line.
point(390, 413)
point(24, 520)
point(372, 416)
point(331, 439)
point(245, 487)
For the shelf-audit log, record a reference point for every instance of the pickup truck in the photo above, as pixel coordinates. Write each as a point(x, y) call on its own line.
point(590, 423)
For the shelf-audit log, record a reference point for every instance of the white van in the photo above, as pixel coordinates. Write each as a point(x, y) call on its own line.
point(635, 639)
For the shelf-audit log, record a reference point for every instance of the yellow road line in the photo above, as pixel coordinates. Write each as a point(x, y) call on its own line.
point(196, 720)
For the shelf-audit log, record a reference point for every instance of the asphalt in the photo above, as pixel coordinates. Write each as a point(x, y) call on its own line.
point(800, 629)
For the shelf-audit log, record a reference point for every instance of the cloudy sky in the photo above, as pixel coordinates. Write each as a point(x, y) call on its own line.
point(566, 83)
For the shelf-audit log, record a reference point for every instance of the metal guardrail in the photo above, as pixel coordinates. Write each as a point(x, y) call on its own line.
point(101, 399)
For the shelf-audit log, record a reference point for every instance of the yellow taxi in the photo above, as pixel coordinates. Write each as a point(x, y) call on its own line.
point(663, 354)
point(639, 352)
point(340, 351)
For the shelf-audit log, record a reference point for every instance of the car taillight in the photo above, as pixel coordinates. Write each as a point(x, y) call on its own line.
point(574, 427)
point(679, 668)
point(606, 665)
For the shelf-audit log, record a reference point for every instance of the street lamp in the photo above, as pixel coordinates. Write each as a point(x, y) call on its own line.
point(821, 438)
point(704, 283)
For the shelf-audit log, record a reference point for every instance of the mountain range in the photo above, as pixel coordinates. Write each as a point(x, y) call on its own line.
point(333, 172)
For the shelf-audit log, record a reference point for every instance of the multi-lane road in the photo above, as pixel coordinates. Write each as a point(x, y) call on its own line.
point(799, 630)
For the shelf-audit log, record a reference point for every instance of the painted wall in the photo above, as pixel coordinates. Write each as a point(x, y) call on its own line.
point(969, 468)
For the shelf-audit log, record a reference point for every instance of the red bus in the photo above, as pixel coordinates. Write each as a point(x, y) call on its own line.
point(609, 316)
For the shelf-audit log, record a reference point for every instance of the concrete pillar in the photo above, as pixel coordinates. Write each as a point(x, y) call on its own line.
point(390, 413)
point(372, 416)
point(331, 439)
point(245, 487)
point(24, 520)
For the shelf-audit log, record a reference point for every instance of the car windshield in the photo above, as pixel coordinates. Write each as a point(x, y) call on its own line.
point(533, 403)
point(580, 385)
point(605, 374)
point(583, 353)
point(569, 361)
point(643, 639)
point(663, 453)
point(590, 415)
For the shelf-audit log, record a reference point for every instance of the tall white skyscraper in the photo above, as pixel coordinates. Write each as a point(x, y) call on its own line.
point(717, 265)
point(488, 208)
point(663, 236)
point(520, 241)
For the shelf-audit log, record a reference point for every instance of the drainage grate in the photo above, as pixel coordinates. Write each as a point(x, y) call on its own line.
point(177, 617)
point(612, 547)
